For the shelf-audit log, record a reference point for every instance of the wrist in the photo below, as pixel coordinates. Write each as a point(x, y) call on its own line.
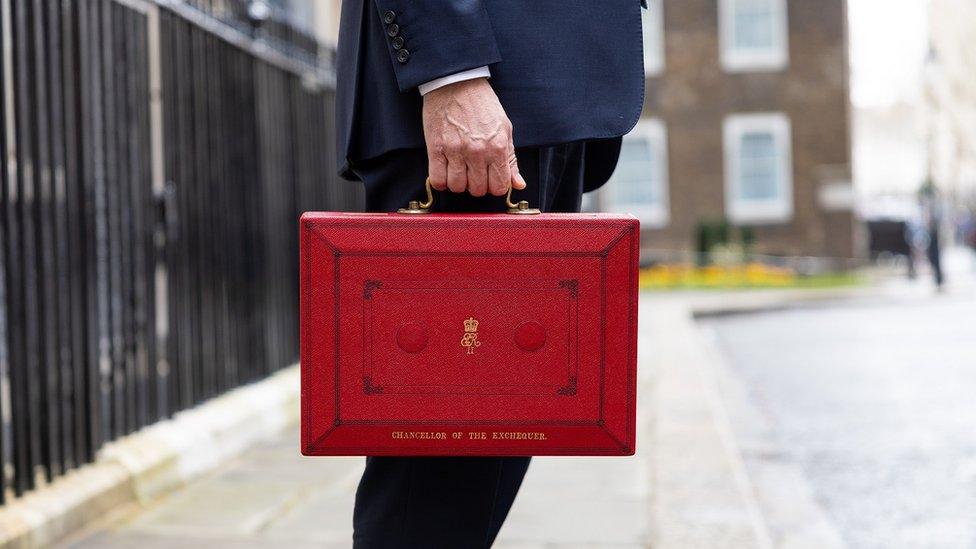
point(456, 88)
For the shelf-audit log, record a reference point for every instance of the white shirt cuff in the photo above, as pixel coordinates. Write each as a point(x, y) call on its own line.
point(471, 74)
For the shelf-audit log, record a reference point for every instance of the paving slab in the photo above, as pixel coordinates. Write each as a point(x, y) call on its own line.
point(216, 507)
point(324, 517)
point(701, 495)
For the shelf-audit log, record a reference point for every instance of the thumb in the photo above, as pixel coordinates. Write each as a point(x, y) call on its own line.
point(518, 182)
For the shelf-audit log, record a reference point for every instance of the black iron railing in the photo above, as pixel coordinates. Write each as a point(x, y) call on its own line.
point(155, 158)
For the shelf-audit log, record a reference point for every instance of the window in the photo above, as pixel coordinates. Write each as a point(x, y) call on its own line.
point(758, 168)
point(652, 20)
point(754, 35)
point(640, 183)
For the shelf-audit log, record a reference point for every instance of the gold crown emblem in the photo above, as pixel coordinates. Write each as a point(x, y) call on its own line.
point(471, 325)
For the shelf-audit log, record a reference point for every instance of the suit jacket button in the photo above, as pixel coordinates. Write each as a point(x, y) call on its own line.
point(393, 30)
point(389, 17)
point(398, 43)
point(403, 56)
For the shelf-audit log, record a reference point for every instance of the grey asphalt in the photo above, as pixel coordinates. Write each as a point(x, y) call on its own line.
point(875, 400)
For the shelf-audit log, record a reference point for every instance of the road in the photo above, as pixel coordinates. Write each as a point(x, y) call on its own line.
point(876, 402)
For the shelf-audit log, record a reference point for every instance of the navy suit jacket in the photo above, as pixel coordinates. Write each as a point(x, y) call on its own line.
point(564, 70)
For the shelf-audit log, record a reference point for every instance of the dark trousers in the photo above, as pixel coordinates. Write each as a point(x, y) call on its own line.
point(451, 502)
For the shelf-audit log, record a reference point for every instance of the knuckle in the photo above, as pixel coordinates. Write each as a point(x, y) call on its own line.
point(471, 148)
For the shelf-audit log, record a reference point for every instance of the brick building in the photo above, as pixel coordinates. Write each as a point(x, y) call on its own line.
point(746, 118)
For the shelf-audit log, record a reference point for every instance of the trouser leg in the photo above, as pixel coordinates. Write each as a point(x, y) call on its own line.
point(435, 502)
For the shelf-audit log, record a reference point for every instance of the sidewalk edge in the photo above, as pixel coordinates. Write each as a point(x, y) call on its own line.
point(687, 390)
point(154, 461)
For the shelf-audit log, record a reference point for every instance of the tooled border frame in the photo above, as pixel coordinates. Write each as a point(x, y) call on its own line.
point(572, 367)
point(602, 254)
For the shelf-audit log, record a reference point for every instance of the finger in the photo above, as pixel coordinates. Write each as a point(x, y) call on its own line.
point(477, 179)
point(499, 171)
point(457, 174)
point(499, 177)
point(437, 171)
point(517, 180)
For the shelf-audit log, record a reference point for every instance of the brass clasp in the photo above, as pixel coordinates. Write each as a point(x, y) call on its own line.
point(522, 208)
point(415, 207)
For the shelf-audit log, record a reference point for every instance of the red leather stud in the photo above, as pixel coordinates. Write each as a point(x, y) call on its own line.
point(530, 336)
point(412, 337)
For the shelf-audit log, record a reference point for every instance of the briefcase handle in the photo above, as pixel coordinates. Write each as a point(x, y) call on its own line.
point(416, 207)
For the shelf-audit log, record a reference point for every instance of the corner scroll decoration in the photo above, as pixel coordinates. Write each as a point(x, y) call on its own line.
point(369, 388)
point(569, 389)
point(369, 287)
point(572, 286)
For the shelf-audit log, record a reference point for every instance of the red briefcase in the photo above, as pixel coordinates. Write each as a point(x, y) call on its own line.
point(468, 334)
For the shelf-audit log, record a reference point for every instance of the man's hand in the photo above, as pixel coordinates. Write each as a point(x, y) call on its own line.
point(469, 140)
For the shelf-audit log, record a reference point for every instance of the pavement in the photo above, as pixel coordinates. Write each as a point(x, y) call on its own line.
point(270, 496)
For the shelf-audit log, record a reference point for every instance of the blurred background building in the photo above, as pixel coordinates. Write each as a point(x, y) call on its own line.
point(746, 122)
point(950, 98)
point(913, 102)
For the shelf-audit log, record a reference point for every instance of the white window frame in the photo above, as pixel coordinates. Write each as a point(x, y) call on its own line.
point(735, 59)
point(775, 210)
point(652, 216)
point(652, 21)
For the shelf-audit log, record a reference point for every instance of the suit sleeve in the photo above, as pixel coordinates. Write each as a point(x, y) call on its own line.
point(429, 39)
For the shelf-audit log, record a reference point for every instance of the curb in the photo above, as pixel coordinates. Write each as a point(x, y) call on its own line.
point(790, 512)
point(153, 461)
point(704, 492)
